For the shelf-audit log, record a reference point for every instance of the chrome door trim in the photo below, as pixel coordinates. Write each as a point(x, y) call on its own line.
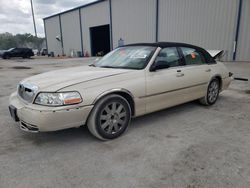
point(154, 94)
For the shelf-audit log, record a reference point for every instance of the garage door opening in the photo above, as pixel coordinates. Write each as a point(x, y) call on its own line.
point(100, 40)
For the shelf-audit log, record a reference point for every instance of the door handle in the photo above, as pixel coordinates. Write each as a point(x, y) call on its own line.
point(208, 70)
point(179, 74)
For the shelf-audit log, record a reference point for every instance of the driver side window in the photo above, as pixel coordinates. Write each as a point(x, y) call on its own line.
point(15, 50)
point(168, 57)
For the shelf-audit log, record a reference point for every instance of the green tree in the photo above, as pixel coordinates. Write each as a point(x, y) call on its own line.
point(8, 40)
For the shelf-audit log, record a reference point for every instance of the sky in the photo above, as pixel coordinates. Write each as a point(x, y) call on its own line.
point(16, 17)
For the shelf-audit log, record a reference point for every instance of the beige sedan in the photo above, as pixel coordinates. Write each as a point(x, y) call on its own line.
point(130, 81)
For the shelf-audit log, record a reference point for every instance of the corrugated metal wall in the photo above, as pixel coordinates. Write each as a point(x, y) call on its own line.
point(52, 27)
point(133, 21)
point(71, 32)
point(209, 24)
point(94, 15)
point(243, 50)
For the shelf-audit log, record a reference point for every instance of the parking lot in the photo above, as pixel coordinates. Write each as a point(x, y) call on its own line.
point(185, 146)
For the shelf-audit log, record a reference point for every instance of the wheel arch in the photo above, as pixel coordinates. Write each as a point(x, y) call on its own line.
point(217, 76)
point(122, 92)
point(5, 55)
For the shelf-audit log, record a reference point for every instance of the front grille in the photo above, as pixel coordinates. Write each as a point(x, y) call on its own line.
point(27, 91)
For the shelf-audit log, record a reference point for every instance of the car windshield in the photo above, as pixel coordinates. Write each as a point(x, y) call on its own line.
point(10, 49)
point(129, 57)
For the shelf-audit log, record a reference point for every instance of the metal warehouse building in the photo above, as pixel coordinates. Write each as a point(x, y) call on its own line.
point(98, 26)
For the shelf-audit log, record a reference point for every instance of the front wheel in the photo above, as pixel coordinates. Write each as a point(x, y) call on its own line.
point(212, 95)
point(6, 57)
point(110, 117)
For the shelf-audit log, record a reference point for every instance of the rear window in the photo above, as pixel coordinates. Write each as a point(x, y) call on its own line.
point(192, 56)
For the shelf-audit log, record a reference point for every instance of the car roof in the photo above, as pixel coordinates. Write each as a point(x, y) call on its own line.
point(165, 44)
point(176, 44)
point(20, 48)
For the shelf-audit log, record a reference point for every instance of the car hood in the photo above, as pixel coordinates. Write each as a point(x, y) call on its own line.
point(2, 51)
point(56, 80)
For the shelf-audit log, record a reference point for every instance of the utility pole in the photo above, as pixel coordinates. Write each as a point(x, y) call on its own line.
point(31, 3)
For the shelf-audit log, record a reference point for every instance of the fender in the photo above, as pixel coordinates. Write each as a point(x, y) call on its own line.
point(113, 91)
point(216, 76)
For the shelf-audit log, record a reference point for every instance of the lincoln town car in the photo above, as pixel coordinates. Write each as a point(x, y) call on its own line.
point(130, 81)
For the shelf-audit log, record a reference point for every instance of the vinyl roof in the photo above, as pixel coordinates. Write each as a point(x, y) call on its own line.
point(165, 44)
point(76, 8)
point(177, 44)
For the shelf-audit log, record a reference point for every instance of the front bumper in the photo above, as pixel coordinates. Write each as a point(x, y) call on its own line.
point(37, 118)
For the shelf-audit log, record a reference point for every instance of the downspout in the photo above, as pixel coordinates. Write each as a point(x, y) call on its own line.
point(237, 30)
point(157, 22)
point(80, 21)
point(61, 36)
point(111, 25)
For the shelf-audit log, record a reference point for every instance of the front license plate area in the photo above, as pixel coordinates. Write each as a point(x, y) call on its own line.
point(13, 113)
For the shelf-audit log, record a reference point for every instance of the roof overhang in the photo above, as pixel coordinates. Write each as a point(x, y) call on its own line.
point(70, 10)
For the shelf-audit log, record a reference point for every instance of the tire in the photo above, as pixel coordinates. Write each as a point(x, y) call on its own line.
point(212, 95)
point(6, 57)
point(25, 56)
point(110, 117)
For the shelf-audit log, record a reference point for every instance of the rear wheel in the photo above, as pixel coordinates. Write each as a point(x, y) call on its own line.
point(212, 95)
point(25, 56)
point(110, 117)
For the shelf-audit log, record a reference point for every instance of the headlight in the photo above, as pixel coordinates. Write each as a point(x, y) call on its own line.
point(58, 99)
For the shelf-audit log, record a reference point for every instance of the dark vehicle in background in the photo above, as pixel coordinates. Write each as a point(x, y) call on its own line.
point(17, 52)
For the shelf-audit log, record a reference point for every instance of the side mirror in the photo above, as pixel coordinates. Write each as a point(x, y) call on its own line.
point(159, 65)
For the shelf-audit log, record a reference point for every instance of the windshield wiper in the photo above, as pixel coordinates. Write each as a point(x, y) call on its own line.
point(92, 65)
point(109, 67)
point(119, 67)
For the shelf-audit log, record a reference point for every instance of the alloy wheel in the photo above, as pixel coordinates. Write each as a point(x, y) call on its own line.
point(213, 91)
point(113, 118)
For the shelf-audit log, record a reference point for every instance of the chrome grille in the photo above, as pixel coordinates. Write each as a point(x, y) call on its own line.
point(27, 91)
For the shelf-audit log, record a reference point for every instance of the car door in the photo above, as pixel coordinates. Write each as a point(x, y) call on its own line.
point(163, 84)
point(20, 52)
point(197, 72)
point(14, 52)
